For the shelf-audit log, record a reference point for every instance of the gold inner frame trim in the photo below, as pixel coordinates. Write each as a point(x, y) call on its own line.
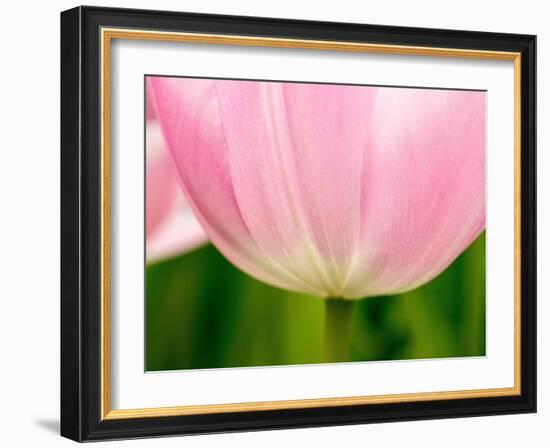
point(107, 35)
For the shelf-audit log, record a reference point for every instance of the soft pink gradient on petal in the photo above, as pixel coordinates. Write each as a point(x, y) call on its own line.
point(295, 153)
point(179, 233)
point(160, 192)
point(170, 225)
point(189, 113)
point(150, 113)
point(424, 200)
point(326, 189)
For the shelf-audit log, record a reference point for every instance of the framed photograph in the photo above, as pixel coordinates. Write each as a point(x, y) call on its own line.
point(272, 223)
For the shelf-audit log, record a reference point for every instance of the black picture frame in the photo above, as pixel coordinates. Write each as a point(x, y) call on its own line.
point(81, 224)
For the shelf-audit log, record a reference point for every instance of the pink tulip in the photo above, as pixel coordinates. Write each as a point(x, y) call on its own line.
point(170, 225)
point(336, 191)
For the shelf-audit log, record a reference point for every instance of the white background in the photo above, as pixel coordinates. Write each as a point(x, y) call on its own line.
point(29, 180)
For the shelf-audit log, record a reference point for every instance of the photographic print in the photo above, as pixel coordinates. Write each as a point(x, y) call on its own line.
point(293, 223)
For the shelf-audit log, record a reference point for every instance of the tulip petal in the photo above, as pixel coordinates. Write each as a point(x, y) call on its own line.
point(171, 227)
point(295, 155)
point(189, 112)
point(179, 233)
point(160, 191)
point(331, 190)
point(424, 187)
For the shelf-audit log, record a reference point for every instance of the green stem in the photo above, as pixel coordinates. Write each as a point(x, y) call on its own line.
point(338, 317)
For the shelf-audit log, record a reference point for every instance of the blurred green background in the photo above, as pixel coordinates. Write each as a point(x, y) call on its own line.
point(202, 312)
